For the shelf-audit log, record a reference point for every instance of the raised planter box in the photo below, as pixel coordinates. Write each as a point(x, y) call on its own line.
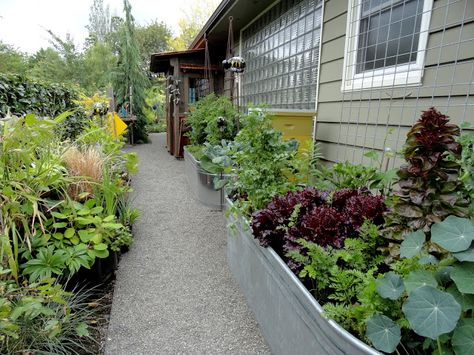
point(290, 318)
point(201, 183)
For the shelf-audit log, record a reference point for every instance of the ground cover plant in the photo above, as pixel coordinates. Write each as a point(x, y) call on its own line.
point(393, 268)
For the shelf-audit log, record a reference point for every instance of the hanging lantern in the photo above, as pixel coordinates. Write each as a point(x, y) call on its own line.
point(235, 64)
point(99, 108)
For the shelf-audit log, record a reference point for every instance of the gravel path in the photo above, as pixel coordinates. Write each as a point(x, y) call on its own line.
point(174, 293)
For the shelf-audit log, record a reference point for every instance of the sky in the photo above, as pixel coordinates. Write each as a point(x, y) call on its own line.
point(23, 22)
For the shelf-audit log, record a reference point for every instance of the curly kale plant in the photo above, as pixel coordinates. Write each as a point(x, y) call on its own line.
point(429, 183)
point(264, 162)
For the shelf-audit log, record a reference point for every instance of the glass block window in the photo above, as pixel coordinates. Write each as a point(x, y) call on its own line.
point(281, 49)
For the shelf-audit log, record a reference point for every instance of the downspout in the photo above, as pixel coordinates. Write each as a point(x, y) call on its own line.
point(315, 118)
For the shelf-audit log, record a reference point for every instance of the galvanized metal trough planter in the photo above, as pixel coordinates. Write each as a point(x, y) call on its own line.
point(291, 320)
point(202, 183)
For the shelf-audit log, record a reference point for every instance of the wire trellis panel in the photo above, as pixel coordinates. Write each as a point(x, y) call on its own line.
point(401, 57)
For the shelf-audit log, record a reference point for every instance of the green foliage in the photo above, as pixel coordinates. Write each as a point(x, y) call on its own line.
point(263, 162)
point(203, 120)
point(152, 38)
point(347, 175)
point(43, 318)
point(20, 95)
point(430, 189)
point(129, 78)
point(466, 163)
point(12, 61)
point(383, 333)
point(434, 302)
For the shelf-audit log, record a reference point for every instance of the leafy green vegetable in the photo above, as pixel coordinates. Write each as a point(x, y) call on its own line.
point(412, 244)
point(390, 286)
point(453, 234)
point(431, 312)
point(463, 338)
point(384, 333)
point(463, 276)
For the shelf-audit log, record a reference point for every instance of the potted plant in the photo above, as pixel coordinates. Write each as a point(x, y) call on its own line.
point(213, 124)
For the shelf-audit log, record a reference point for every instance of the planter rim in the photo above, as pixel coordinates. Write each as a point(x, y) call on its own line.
point(317, 306)
point(196, 162)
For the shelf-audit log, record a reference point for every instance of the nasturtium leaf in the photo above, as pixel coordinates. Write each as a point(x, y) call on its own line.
point(428, 259)
point(463, 276)
point(383, 332)
point(444, 275)
point(412, 244)
point(465, 300)
point(390, 286)
point(431, 312)
point(419, 278)
point(467, 255)
point(453, 234)
point(463, 338)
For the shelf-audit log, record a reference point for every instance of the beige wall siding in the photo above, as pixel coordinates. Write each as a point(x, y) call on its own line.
point(349, 124)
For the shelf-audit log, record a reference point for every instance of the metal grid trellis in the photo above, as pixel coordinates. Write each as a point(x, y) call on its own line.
point(402, 57)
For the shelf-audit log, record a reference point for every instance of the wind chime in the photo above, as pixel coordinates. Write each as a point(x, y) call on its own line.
point(233, 64)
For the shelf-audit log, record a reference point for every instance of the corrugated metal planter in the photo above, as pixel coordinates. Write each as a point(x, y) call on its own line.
point(201, 182)
point(290, 318)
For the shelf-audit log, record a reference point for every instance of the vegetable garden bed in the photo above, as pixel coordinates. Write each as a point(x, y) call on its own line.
point(291, 320)
point(202, 182)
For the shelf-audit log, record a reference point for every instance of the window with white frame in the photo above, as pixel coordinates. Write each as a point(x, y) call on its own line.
point(385, 43)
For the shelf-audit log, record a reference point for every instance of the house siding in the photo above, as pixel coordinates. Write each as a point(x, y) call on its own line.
point(348, 124)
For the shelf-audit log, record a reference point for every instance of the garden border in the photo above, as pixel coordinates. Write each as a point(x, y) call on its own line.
point(290, 318)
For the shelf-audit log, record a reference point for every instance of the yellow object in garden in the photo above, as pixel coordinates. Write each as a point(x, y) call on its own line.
point(116, 125)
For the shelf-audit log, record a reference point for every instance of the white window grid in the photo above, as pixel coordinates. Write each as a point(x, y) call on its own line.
point(397, 107)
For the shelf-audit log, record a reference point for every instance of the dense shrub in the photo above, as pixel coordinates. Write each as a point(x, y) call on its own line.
point(203, 120)
point(21, 95)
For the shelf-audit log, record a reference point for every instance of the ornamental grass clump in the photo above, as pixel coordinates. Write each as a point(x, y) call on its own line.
point(430, 188)
point(86, 165)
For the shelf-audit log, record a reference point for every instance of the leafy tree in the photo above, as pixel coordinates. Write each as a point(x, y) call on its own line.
point(47, 65)
point(129, 75)
point(152, 38)
point(12, 61)
point(99, 62)
point(191, 23)
point(99, 21)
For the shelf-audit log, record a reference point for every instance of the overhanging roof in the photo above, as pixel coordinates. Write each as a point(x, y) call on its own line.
point(217, 27)
point(160, 62)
